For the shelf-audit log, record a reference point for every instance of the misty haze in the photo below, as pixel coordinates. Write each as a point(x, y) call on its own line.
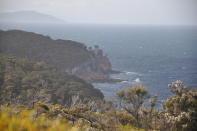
point(103, 65)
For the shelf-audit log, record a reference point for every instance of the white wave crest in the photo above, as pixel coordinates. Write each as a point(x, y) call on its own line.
point(124, 81)
point(137, 80)
point(132, 73)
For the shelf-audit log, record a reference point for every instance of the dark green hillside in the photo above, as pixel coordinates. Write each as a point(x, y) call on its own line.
point(70, 56)
point(23, 81)
point(60, 53)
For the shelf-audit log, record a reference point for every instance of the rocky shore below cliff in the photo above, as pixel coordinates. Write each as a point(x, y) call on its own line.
point(99, 78)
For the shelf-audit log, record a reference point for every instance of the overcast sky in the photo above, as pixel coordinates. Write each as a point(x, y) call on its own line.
point(167, 12)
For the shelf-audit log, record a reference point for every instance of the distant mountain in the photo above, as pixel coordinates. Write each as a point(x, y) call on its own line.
point(29, 17)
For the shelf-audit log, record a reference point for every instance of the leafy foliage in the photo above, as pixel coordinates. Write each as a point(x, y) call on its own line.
point(132, 99)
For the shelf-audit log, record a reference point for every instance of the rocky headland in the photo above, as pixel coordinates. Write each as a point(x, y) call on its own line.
point(68, 56)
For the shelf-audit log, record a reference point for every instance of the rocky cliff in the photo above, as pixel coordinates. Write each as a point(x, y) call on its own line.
point(69, 56)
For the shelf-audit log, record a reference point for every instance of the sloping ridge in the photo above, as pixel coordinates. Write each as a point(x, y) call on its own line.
point(63, 54)
point(66, 55)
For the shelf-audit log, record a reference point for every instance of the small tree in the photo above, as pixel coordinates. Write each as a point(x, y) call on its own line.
point(90, 48)
point(132, 100)
point(180, 110)
point(96, 47)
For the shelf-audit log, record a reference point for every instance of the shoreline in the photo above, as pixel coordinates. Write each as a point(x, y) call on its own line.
point(108, 79)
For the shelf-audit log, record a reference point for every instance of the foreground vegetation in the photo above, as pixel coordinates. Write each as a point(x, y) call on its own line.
point(56, 118)
point(179, 113)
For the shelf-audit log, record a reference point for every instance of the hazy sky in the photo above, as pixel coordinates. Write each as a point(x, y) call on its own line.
point(112, 11)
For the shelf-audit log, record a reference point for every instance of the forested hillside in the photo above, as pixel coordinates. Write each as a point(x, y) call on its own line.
point(26, 82)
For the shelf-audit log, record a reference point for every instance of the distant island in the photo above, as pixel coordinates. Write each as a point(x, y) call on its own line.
point(29, 17)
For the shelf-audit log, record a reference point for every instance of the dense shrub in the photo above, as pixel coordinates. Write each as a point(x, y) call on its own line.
point(180, 110)
point(56, 118)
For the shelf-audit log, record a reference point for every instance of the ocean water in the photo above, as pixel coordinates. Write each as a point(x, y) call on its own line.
point(152, 56)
